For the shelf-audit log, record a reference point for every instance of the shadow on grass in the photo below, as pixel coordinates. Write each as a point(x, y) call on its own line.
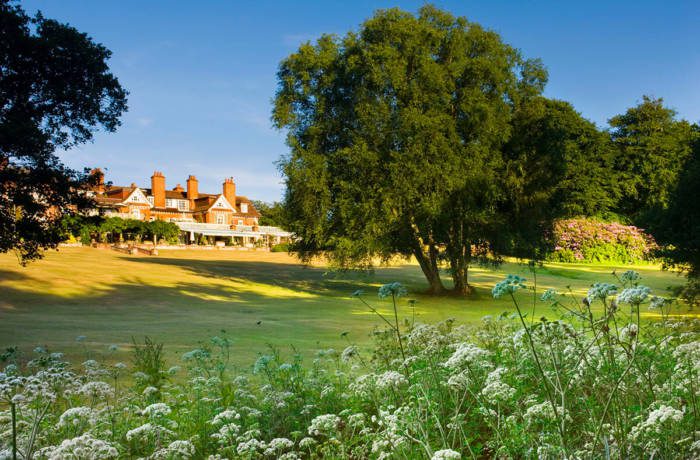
point(296, 277)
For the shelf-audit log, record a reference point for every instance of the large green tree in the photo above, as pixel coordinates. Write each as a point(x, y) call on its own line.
point(652, 146)
point(55, 91)
point(680, 225)
point(396, 135)
point(559, 165)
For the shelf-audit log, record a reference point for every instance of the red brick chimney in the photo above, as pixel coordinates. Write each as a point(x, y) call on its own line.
point(158, 189)
point(97, 180)
point(192, 192)
point(229, 191)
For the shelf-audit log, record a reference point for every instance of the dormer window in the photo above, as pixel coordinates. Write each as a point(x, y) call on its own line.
point(244, 207)
point(182, 205)
point(169, 203)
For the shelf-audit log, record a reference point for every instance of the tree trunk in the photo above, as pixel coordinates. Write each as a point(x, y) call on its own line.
point(460, 254)
point(427, 259)
point(461, 281)
point(428, 263)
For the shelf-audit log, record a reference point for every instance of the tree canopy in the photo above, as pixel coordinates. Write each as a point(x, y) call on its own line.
point(396, 135)
point(271, 213)
point(560, 165)
point(652, 147)
point(55, 91)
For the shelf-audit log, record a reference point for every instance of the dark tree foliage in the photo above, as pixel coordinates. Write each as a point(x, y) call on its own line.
point(56, 90)
point(272, 214)
point(395, 136)
point(680, 225)
point(559, 165)
point(652, 147)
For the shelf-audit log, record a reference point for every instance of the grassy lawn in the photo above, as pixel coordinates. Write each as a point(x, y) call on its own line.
point(182, 297)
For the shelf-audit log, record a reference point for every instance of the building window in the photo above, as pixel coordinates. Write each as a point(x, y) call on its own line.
point(220, 218)
point(136, 213)
point(150, 200)
point(169, 203)
point(134, 197)
point(244, 207)
point(182, 205)
point(240, 222)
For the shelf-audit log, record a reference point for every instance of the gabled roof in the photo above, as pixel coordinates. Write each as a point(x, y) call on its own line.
point(252, 211)
point(137, 193)
point(210, 201)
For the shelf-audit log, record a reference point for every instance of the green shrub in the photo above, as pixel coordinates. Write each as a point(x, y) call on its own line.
point(589, 240)
point(282, 247)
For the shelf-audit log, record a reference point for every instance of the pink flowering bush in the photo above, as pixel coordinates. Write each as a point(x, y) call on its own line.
point(588, 240)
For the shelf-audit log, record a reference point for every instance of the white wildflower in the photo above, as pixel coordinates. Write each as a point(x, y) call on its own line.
point(76, 417)
point(157, 410)
point(600, 291)
point(326, 425)
point(227, 416)
point(495, 390)
point(391, 380)
point(657, 420)
point(84, 446)
point(446, 454)
point(468, 355)
point(175, 450)
point(508, 286)
point(634, 295)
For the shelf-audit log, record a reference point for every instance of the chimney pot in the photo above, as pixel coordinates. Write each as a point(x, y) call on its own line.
point(192, 190)
point(158, 189)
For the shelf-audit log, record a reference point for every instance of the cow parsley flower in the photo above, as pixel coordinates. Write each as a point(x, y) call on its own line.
point(543, 412)
point(634, 295)
point(600, 291)
point(76, 417)
point(179, 449)
point(307, 443)
point(278, 445)
point(508, 286)
point(467, 354)
point(227, 416)
point(446, 454)
point(326, 425)
point(395, 289)
point(495, 390)
point(390, 380)
point(656, 302)
point(657, 420)
point(84, 446)
point(250, 447)
point(96, 389)
point(630, 277)
point(349, 353)
point(550, 295)
point(157, 410)
point(227, 434)
point(628, 332)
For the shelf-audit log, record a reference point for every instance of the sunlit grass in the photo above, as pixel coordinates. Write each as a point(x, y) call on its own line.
point(181, 297)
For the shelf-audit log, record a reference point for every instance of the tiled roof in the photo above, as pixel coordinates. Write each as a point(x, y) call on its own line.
point(252, 212)
point(116, 193)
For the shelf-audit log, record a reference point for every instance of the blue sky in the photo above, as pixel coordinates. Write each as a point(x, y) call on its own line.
point(202, 74)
